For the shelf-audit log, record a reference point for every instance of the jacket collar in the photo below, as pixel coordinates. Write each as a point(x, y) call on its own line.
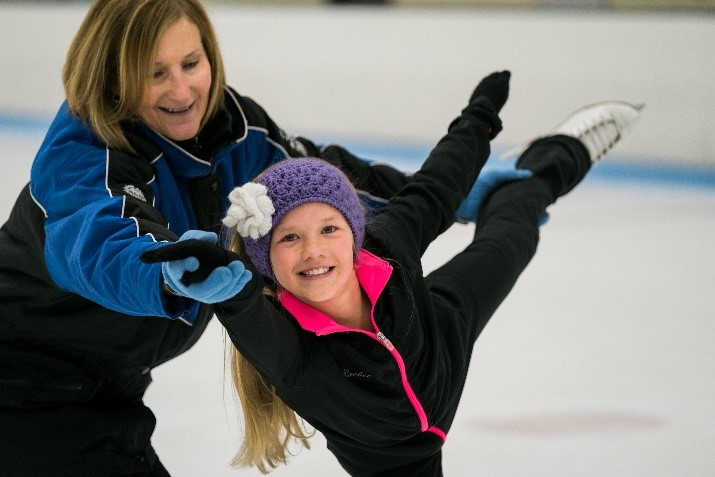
point(192, 158)
point(372, 272)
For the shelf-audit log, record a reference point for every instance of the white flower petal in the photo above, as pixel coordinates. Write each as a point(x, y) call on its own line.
point(251, 210)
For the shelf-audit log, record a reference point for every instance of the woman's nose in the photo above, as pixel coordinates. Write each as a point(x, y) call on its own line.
point(179, 86)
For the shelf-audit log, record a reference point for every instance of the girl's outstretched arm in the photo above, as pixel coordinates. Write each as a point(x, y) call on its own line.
point(426, 206)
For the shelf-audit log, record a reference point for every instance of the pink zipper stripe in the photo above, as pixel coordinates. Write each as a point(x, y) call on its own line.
point(405, 383)
point(439, 432)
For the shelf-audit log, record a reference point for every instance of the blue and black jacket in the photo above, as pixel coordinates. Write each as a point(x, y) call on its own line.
point(81, 317)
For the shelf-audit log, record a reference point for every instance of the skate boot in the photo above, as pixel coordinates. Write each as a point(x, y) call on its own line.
point(600, 126)
point(590, 132)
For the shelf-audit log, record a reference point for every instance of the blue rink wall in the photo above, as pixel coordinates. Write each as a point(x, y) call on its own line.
point(409, 157)
point(387, 81)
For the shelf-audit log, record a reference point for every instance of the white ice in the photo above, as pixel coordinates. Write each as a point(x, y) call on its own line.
point(599, 363)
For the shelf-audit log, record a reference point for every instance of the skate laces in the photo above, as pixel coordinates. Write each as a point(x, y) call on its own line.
point(599, 127)
point(600, 134)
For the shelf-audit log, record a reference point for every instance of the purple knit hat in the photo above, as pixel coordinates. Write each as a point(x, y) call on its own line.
point(258, 206)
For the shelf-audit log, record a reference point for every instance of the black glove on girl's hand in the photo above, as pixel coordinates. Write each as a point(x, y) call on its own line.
point(197, 268)
point(210, 257)
point(494, 87)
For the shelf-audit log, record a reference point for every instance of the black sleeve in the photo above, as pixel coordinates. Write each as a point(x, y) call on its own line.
point(377, 179)
point(264, 333)
point(425, 207)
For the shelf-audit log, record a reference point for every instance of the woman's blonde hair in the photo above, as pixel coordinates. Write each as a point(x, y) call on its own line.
point(270, 426)
point(110, 60)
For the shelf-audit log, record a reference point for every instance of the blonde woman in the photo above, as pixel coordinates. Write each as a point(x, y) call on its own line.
point(351, 336)
point(147, 145)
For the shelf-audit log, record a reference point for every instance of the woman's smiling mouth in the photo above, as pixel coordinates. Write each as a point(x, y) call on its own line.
point(176, 110)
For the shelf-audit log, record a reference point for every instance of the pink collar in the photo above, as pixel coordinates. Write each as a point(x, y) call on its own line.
point(373, 274)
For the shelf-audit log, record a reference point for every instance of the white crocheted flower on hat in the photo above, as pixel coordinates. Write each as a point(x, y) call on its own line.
point(251, 210)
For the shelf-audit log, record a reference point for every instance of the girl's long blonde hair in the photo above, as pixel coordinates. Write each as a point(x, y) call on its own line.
point(270, 426)
point(110, 60)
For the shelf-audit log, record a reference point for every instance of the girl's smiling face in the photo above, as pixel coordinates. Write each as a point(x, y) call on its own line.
point(312, 253)
point(177, 98)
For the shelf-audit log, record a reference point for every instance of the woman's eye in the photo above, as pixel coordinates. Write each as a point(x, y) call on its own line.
point(157, 74)
point(191, 65)
point(329, 229)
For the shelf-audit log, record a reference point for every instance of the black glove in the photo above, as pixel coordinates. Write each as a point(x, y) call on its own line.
point(209, 255)
point(494, 87)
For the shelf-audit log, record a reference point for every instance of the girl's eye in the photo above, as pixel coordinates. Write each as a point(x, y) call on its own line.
point(191, 65)
point(157, 74)
point(289, 238)
point(329, 229)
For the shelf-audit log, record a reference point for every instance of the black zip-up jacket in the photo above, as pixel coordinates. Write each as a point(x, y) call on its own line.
point(383, 399)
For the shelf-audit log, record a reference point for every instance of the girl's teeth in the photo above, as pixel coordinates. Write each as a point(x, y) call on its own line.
point(317, 271)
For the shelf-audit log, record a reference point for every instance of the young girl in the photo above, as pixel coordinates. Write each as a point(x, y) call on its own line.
point(351, 336)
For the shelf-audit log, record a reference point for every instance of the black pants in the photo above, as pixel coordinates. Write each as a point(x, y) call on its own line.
point(469, 288)
point(78, 440)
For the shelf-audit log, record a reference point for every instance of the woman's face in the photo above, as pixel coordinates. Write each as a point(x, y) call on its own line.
point(312, 253)
point(178, 96)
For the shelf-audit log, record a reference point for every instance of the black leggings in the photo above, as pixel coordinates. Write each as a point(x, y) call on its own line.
point(469, 288)
point(507, 232)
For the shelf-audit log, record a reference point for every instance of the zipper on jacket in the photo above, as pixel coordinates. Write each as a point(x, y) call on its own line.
point(385, 340)
point(205, 195)
point(411, 396)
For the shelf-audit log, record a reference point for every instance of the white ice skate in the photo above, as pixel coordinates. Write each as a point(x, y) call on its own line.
point(598, 126)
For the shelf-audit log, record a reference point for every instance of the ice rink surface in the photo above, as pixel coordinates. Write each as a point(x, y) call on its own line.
point(601, 362)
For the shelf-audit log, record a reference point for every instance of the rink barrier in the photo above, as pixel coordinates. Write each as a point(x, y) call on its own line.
point(408, 156)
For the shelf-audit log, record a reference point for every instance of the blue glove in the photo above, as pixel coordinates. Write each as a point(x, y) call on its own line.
point(197, 268)
point(489, 178)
